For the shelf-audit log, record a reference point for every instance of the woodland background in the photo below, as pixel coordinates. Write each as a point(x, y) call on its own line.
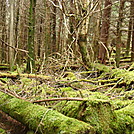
point(67, 66)
point(40, 32)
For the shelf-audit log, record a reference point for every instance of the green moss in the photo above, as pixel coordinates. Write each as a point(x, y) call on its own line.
point(125, 120)
point(30, 132)
point(96, 112)
point(69, 75)
point(41, 119)
point(128, 76)
point(128, 110)
point(102, 67)
point(82, 85)
point(123, 124)
point(64, 89)
point(98, 95)
point(26, 80)
point(118, 104)
point(2, 131)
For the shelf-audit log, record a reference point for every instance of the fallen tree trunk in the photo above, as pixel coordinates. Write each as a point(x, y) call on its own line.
point(40, 119)
point(100, 114)
point(97, 112)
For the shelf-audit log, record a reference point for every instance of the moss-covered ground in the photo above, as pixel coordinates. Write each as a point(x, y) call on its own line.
point(108, 99)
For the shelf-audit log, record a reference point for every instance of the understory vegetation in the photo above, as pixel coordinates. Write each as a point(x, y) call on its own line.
point(67, 67)
point(98, 96)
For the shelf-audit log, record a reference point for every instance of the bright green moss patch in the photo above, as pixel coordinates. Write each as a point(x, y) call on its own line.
point(118, 104)
point(97, 112)
point(2, 131)
point(128, 110)
point(125, 120)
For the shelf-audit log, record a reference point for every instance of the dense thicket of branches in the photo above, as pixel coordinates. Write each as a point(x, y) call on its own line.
point(46, 29)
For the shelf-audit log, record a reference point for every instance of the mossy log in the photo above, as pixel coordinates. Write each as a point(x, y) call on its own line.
point(40, 119)
point(126, 75)
point(100, 114)
point(96, 112)
point(125, 120)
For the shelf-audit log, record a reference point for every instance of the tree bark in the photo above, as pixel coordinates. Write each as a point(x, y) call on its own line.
point(119, 33)
point(132, 50)
point(82, 42)
point(3, 55)
point(82, 35)
point(104, 32)
point(129, 32)
point(53, 28)
point(40, 119)
point(11, 40)
point(31, 55)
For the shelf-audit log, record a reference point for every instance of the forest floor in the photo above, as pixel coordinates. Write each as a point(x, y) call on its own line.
point(10, 125)
point(64, 82)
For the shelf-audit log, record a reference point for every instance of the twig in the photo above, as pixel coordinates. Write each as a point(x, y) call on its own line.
point(60, 99)
point(16, 49)
point(8, 92)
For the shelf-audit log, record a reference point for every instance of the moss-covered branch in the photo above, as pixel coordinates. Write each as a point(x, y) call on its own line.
point(41, 119)
point(60, 99)
point(16, 75)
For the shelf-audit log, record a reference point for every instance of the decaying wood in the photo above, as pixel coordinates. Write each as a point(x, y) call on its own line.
point(40, 119)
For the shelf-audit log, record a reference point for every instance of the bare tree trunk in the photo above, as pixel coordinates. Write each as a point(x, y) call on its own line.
point(47, 39)
point(132, 50)
point(31, 57)
point(11, 40)
point(53, 28)
point(129, 31)
point(3, 29)
point(104, 31)
point(119, 33)
point(96, 33)
point(83, 30)
point(17, 55)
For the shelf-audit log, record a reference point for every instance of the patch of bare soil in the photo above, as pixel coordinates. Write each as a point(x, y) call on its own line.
point(11, 125)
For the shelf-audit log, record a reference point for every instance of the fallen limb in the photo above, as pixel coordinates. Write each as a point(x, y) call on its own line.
point(59, 99)
point(17, 75)
point(40, 119)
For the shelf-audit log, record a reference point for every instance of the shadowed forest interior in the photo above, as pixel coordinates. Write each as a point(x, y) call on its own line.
point(69, 61)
